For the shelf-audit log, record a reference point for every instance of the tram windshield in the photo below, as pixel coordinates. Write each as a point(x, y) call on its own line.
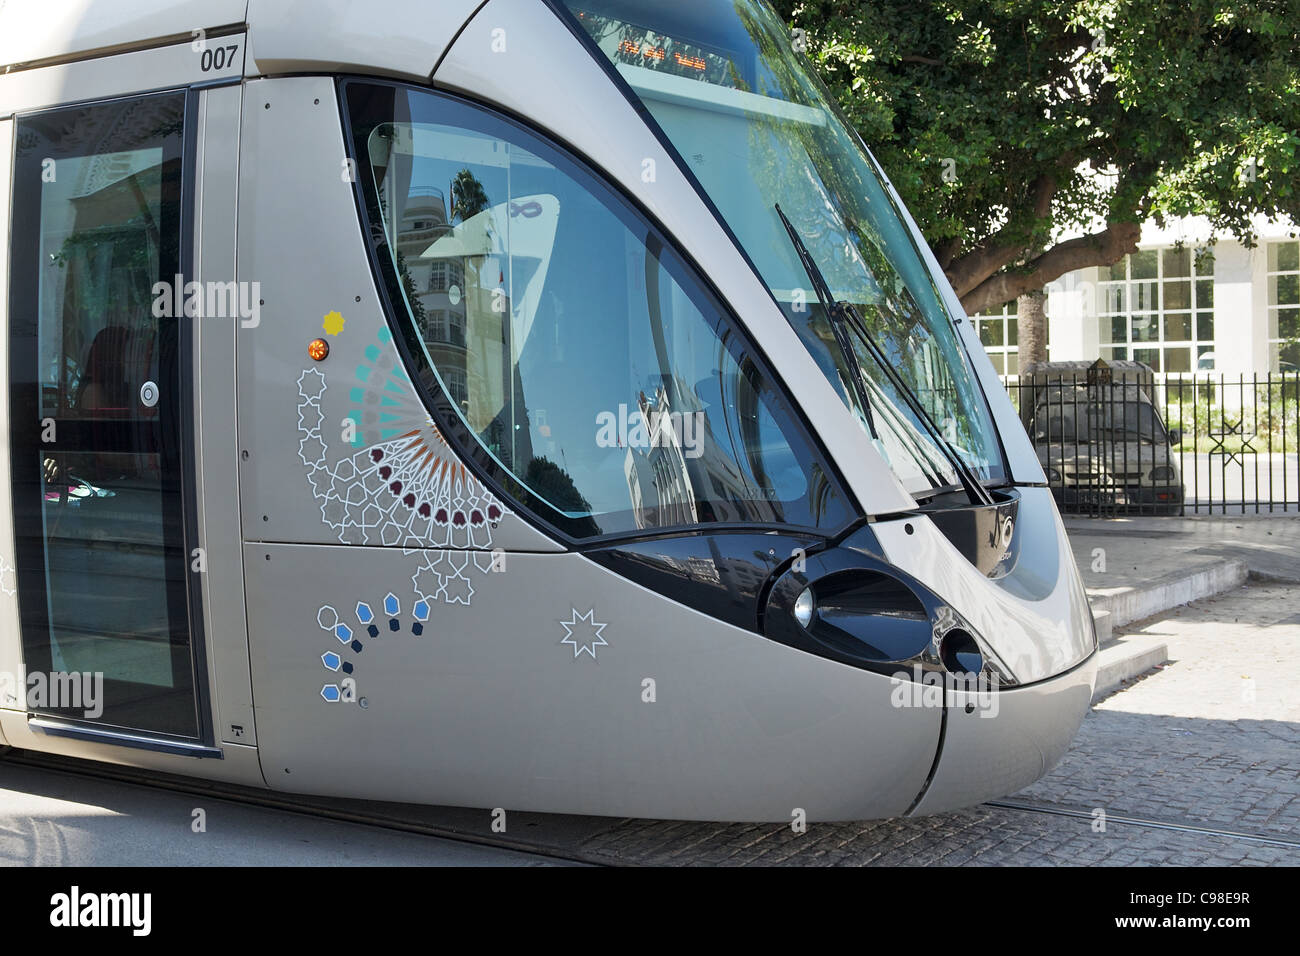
point(723, 81)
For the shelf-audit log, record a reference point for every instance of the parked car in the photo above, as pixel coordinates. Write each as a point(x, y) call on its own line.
point(1100, 438)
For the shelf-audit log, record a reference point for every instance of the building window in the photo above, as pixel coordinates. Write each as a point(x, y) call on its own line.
point(1157, 307)
point(456, 386)
point(437, 326)
point(444, 273)
point(999, 334)
point(1284, 306)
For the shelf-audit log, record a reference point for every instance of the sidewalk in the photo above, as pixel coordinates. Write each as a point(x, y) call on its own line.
point(1134, 568)
point(1141, 549)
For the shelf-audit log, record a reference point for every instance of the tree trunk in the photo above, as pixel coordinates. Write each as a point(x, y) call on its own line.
point(1031, 324)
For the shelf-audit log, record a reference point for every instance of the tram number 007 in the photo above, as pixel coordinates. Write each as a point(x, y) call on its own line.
point(217, 58)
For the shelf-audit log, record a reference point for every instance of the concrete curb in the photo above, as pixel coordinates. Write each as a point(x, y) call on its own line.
point(1126, 605)
point(1272, 577)
point(1105, 625)
point(1125, 659)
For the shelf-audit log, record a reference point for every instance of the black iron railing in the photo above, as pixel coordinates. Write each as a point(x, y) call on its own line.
point(1169, 444)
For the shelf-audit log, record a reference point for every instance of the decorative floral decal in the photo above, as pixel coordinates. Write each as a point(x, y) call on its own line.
point(401, 484)
point(398, 483)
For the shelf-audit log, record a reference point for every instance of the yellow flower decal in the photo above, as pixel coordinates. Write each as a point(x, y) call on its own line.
point(333, 323)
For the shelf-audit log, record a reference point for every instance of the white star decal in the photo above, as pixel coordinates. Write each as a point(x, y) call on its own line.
point(582, 632)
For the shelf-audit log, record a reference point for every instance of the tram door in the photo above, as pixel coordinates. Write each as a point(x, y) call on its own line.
point(99, 418)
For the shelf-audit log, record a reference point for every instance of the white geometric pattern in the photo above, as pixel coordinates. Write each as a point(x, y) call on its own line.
point(583, 633)
point(400, 484)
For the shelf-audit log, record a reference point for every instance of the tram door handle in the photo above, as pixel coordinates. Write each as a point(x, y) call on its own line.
point(149, 394)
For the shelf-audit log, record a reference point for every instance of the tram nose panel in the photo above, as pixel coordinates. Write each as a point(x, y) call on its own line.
point(997, 743)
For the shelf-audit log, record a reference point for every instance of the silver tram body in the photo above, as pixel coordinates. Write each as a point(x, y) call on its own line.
point(593, 505)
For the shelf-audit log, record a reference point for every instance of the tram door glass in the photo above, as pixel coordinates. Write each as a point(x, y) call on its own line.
point(95, 414)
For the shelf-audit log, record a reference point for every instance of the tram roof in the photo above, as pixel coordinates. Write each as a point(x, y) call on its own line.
point(397, 37)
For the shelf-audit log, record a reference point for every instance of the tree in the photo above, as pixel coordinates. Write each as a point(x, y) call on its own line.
point(468, 197)
point(1009, 126)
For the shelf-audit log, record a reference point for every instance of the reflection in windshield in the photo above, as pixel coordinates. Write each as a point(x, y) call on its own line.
point(720, 77)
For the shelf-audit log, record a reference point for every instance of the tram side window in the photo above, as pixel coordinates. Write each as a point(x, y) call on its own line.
point(576, 346)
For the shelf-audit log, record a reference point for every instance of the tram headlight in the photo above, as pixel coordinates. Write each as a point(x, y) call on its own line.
point(804, 607)
point(850, 606)
point(1053, 474)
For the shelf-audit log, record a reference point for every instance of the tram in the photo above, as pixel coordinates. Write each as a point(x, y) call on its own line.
point(546, 405)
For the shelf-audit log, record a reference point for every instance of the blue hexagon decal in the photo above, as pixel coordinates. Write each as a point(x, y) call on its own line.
point(331, 693)
point(391, 604)
point(343, 633)
point(331, 660)
point(364, 614)
point(421, 610)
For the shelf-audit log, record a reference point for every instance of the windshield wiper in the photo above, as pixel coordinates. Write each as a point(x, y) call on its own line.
point(831, 307)
point(844, 313)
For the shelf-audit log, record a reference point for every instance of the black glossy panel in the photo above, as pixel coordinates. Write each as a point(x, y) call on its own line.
point(722, 575)
point(960, 654)
point(984, 534)
point(881, 639)
point(870, 615)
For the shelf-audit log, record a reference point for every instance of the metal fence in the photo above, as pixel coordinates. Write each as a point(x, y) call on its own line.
point(1143, 443)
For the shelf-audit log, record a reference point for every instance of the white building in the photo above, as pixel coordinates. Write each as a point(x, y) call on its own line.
point(1222, 308)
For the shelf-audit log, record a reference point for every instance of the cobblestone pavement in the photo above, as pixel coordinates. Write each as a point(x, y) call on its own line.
point(1212, 739)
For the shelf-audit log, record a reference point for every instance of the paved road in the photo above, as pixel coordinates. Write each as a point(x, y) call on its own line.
point(1249, 478)
point(50, 818)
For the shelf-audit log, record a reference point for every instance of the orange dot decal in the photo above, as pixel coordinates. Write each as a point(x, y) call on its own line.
point(318, 350)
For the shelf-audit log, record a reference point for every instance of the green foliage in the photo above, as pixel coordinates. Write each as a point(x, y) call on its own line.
point(1191, 107)
point(468, 197)
point(1267, 414)
point(418, 311)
